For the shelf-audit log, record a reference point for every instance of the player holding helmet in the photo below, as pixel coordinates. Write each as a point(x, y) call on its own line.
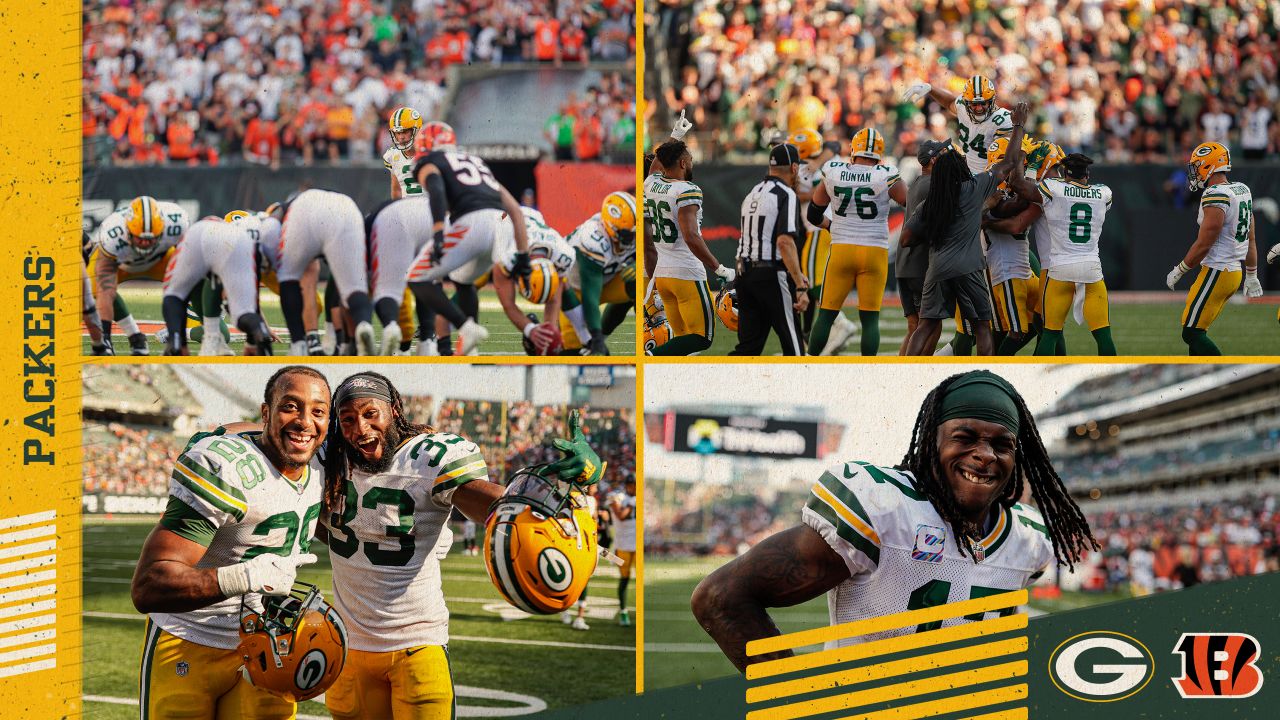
point(979, 119)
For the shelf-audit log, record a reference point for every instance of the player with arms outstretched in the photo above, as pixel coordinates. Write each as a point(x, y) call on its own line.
point(1225, 242)
point(979, 120)
point(945, 525)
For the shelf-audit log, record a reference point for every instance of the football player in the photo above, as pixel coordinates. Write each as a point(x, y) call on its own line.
point(404, 124)
point(386, 577)
point(979, 120)
point(460, 186)
point(603, 272)
point(942, 526)
point(552, 261)
point(676, 256)
point(242, 510)
point(1015, 286)
point(224, 252)
point(264, 227)
point(397, 231)
point(622, 508)
point(858, 192)
point(1225, 241)
point(817, 156)
point(133, 242)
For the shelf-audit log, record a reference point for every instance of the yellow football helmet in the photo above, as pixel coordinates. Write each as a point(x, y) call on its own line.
point(867, 143)
point(236, 216)
point(145, 222)
point(808, 142)
point(404, 124)
point(1208, 158)
point(295, 646)
point(657, 331)
point(979, 97)
point(542, 283)
point(618, 215)
point(727, 308)
point(540, 543)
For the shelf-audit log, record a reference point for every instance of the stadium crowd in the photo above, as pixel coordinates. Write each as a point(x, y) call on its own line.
point(1123, 81)
point(272, 81)
point(124, 460)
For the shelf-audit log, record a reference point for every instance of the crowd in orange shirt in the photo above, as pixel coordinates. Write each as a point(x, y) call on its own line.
point(600, 126)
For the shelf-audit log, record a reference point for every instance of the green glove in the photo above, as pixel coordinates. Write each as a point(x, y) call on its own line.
point(580, 464)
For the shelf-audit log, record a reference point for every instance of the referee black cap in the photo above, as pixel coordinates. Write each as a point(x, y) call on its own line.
point(784, 154)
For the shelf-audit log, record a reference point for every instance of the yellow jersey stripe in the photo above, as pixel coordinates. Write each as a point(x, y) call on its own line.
point(462, 470)
point(846, 514)
point(211, 488)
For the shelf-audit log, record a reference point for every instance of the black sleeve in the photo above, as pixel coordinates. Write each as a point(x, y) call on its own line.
point(816, 212)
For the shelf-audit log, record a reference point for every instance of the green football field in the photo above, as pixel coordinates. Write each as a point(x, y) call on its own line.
point(1146, 328)
point(678, 652)
point(143, 300)
point(500, 657)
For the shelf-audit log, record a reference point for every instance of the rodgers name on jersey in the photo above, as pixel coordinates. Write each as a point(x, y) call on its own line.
point(860, 202)
point(663, 198)
point(113, 238)
point(227, 496)
point(902, 556)
point(1232, 244)
point(386, 576)
point(401, 168)
point(593, 242)
point(1074, 214)
point(976, 137)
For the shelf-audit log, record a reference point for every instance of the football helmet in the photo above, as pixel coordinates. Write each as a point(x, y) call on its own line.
point(979, 97)
point(657, 331)
point(808, 142)
point(542, 282)
point(1208, 158)
point(435, 135)
point(540, 543)
point(404, 124)
point(236, 216)
point(618, 215)
point(867, 143)
point(144, 221)
point(295, 646)
point(727, 308)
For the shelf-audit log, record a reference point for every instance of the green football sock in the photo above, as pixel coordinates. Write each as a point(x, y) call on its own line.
point(683, 345)
point(870, 331)
point(1050, 341)
point(962, 344)
point(821, 330)
point(1198, 342)
point(1106, 346)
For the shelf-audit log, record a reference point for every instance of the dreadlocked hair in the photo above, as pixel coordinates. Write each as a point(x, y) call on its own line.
point(670, 152)
point(1076, 166)
point(939, 207)
point(337, 461)
point(1068, 529)
point(269, 393)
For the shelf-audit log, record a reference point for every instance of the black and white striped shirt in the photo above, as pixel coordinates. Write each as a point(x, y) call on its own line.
point(769, 210)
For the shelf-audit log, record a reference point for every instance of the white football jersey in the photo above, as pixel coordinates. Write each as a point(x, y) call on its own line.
point(544, 242)
point(591, 240)
point(976, 137)
point(1232, 244)
point(226, 495)
point(1073, 216)
point(902, 556)
point(113, 238)
point(265, 231)
point(859, 202)
point(386, 574)
point(1008, 257)
point(663, 198)
point(811, 178)
point(624, 531)
point(401, 168)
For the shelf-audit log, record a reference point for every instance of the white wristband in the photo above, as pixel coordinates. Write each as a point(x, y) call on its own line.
point(528, 330)
point(233, 580)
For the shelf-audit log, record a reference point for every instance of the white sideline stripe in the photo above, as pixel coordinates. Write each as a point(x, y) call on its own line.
point(31, 667)
point(35, 547)
point(46, 516)
point(27, 623)
point(27, 579)
point(464, 638)
point(15, 566)
point(32, 637)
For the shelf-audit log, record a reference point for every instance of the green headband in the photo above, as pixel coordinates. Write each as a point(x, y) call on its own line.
point(982, 395)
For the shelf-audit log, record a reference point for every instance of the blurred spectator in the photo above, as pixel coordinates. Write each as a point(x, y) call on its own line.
point(559, 129)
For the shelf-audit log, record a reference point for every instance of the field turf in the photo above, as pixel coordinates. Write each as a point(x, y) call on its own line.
point(678, 652)
point(1138, 328)
point(526, 658)
point(143, 300)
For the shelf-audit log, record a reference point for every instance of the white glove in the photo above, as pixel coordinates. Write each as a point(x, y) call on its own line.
point(1176, 274)
point(915, 92)
point(683, 126)
point(1252, 286)
point(1274, 254)
point(727, 273)
point(268, 574)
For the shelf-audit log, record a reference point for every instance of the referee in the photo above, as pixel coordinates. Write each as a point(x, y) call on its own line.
point(770, 286)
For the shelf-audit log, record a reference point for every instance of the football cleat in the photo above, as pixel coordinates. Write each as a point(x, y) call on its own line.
point(295, 646)
point(435, 135)
point(808, 142)
point(138, 345)
point(144, 222)
point(540, 543)
point(404, 123)
point(315, 345)
point(618, 215)
point(727, 308)
point(867, 143)
point(979, 97)
point(470, 335)
point(541, 284)
point(391, 339)
point(1208, 158)
point(364, 339)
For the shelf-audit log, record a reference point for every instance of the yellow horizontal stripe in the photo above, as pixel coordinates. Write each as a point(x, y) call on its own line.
point(880, 671)
point(233, 502)
point(846, 514)
point(967, 701)
point(817, 636)
point(477, 465)
point(912, 688)
point(1018, 713)
point(914, 641)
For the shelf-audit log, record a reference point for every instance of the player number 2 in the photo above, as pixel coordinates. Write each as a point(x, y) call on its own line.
point(411, 186)
point(1080, 229)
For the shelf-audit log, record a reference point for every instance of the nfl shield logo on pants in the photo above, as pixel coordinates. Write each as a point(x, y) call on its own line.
point(183, 668)
point(930, 542)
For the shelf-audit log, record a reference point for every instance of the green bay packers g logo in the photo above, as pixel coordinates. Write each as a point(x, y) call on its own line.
point(311, 670)
point(554, 567)
point(1101, 666)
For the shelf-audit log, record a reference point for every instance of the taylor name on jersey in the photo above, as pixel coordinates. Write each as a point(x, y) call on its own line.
point(114, 240)
point(902, 556)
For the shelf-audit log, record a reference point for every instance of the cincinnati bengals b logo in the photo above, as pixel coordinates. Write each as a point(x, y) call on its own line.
point(1218, 665)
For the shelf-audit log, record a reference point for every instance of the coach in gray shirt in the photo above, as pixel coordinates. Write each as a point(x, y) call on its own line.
point(949, 223)
point(913, 261)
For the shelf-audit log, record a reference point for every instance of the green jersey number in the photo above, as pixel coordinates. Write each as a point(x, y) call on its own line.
point(978, 145)
point(659, 213)
point(295, 530)
point(411, 186)
point(865, 210)
point(937, 592)
point(342, 539)
point(1244, 221)
point(247, 464)
point(1080, 229)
